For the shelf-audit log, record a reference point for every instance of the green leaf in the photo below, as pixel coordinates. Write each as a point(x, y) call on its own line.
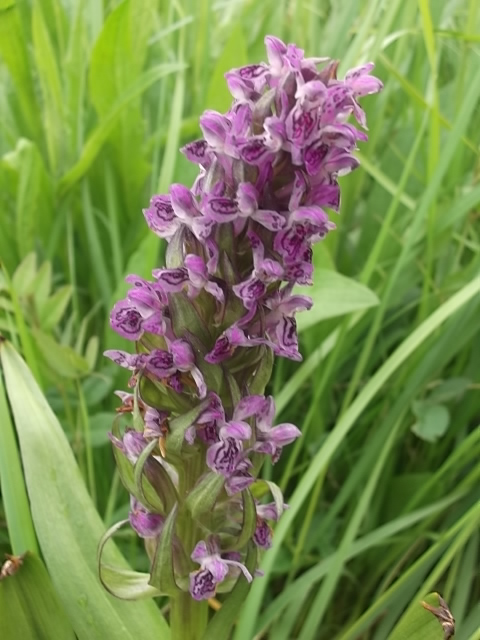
point(179, 425)
point(222, 622)
point(185, 318)
point(122, 583)
point(451, 389)
point(100, 425)
point(138, 475)
point(54, 308)
point(418, 623)
point(49, 77)
point(249, 522)
point(126, 471)
point(234, 55)
point(337, 435)
point(91, 351)
point(67, 525)
point(62, 359)
point(263, 373)
point(117, 60)
point(100, 134)
point(42, 284)
point(14, 51)
point(333, 295)
point(203, 496)
point(14, 493)
point(29, 606)
point(25, 274)
point(432, 421)
point(34, 203)
point(121, 47)
point(162, 574)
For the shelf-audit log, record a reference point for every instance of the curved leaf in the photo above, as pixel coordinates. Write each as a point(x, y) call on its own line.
point(122, 583)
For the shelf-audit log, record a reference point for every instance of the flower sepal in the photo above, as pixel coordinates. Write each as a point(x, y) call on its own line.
point(125, 464)
point(162, 573)
point(203, 496)
point(249, 523)
point(180, 424)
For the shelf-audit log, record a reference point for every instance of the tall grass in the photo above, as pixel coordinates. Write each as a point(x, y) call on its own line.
point(95, 99)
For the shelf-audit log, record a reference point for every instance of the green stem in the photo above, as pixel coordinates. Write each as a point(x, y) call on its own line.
point(188, 618)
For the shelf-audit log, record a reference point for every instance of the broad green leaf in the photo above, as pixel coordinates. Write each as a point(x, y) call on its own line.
point(53, 309)
point(91, 351)
point(119, 52)
point(14, 51)
point(24, 275)
point(14, 493)
point(100, 425)
point(100, 134)
point(419, 624)
point(67, 524)
point(117, 60)
point(34, 203)
point(42, 284)
point(234, 55)
point(61, 359)
point(30, 609)
point(333, 295)
point(432, 421)
point(451, 389)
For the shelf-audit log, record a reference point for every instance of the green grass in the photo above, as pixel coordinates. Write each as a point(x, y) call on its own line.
point(95, 99)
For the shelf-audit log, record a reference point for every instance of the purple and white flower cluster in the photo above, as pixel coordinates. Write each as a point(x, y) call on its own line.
point(209, 324)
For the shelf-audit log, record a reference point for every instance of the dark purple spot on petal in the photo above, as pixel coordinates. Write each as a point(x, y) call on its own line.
point(202, 585)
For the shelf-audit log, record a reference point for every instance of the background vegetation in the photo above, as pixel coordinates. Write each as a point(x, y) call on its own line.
point(95, 100)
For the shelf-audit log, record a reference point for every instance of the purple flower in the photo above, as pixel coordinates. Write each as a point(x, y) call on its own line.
point(126, 320)
point(184, 360)
point(132, 444)
point(213, 569)
point(227, 343)
point(161, 217)
point(238, 241)
point(155, 422)
point(270, 439)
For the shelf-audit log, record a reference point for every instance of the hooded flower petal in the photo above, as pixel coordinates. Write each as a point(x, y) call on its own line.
point(161, 217)
point(126, 320)
point(202, 585)
point(223, 456)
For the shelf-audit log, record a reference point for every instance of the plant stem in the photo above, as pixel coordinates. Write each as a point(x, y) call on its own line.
point(188, 618)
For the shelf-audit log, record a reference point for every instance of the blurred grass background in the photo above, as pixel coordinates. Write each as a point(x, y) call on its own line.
point(95, 100)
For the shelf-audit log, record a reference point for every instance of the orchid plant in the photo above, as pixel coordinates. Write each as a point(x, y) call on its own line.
point(208, 326)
